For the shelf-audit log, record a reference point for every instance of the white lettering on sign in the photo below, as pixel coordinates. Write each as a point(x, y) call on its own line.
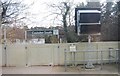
point(42, 32)
point(38, 32)
point(48, 32)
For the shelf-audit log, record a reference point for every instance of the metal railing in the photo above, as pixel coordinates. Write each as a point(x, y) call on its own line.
point(111, 58)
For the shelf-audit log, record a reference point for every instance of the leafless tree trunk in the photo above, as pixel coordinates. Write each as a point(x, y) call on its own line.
point(64, 9)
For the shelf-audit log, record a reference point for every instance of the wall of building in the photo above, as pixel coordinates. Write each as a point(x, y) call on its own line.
point(52, 54)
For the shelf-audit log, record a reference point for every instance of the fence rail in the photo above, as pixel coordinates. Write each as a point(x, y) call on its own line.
point(101, 52)
point(49, 54)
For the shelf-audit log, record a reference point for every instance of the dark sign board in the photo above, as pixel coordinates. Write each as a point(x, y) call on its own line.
point(90, 29)
point(43, 32)
point(77, 9)
point(87, 20)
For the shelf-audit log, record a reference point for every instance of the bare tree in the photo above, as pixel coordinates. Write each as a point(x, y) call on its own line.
point(12, 11)
point(109, 28)
point(64, 12)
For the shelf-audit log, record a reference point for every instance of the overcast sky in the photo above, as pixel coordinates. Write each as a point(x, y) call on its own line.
point(39, 10)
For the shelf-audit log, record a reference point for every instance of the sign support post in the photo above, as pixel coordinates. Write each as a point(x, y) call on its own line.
point(89, 63)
